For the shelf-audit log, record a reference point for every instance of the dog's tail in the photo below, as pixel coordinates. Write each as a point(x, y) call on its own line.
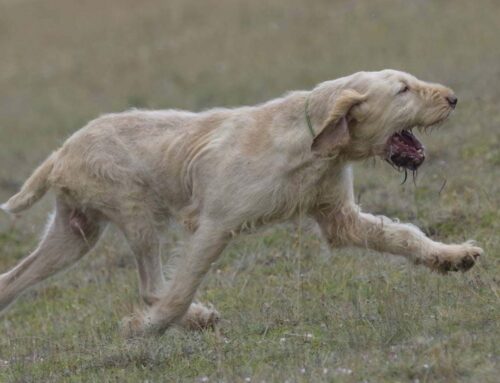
point(33, 189)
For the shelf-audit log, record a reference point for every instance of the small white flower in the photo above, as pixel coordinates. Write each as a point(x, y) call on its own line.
point(302, 370)
point(343, 371)
point(325, 371)
point(282, 340)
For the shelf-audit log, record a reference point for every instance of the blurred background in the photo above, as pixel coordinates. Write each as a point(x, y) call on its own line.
point(63, 63)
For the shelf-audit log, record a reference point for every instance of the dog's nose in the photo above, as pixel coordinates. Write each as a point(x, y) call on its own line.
point(452, 100)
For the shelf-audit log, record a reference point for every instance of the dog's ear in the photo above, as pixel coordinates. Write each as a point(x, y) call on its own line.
point(334, 134)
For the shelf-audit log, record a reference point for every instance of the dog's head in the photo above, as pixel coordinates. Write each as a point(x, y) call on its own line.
point(373, 113)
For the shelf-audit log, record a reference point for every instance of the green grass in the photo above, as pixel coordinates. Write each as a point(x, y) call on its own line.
point(292, 310)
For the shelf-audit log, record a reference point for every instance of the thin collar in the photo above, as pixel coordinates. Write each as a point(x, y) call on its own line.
point(308, 119)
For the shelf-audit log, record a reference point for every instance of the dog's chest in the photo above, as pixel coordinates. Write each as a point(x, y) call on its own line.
point(301, 190)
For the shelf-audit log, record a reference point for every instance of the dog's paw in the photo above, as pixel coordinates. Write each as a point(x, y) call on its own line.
point(200, 317)
point(137, 325)
point(456, 258)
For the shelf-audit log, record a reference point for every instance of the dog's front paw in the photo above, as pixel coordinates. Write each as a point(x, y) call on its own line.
point(456, 258)
point(200, 317)
point(137, 325)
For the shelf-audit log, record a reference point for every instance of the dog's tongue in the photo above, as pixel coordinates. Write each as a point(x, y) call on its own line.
point(405, 150)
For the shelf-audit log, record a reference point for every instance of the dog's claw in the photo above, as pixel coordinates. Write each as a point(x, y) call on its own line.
point(462, 259)
point(467, 262)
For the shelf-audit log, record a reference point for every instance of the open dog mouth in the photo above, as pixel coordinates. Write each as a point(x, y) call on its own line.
point(404, 150)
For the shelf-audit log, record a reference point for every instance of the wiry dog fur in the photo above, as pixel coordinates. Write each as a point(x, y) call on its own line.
point(221, 171)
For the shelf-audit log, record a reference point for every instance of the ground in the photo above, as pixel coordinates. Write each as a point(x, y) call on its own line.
point(292, 310)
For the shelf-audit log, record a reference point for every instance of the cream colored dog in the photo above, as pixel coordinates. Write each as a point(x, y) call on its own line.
point(223, 170)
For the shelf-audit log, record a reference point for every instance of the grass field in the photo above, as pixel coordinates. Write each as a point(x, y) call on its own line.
point(292, 310)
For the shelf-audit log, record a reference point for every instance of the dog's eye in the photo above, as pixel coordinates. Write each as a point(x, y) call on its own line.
point(404, 89)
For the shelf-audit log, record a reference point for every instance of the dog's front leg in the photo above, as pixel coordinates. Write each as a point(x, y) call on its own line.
point(350, 227)
point(174, 306)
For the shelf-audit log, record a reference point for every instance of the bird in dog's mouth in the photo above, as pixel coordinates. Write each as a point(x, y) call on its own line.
point(404, 150)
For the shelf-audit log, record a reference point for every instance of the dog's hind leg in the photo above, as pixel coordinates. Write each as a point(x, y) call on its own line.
point(70, 234)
